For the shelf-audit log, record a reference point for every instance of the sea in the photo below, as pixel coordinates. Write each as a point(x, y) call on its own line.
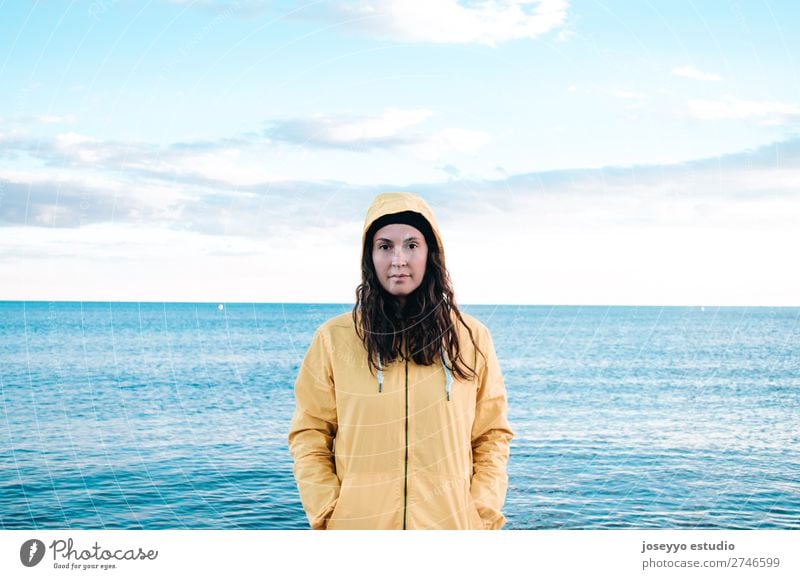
point(126, 415)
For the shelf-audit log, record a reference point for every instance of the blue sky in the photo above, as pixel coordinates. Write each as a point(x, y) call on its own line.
point(575, 152)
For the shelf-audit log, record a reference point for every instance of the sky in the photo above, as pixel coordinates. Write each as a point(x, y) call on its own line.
point(574, 152)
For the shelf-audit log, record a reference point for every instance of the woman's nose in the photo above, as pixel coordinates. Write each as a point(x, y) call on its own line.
point(399, 257)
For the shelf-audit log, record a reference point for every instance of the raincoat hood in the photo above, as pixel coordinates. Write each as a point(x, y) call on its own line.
point(389, 203)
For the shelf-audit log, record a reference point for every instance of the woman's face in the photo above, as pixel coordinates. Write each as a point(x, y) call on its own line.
point(399, 254)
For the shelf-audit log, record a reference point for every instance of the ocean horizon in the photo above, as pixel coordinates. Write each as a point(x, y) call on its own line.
point(174, 415)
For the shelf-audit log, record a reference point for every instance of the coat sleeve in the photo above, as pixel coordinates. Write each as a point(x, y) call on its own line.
point(312, 433)
point(491, 435)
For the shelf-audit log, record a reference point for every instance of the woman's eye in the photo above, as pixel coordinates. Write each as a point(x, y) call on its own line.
point(413, 245)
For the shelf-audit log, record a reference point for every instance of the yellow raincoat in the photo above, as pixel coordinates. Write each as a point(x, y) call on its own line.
point(411, 448)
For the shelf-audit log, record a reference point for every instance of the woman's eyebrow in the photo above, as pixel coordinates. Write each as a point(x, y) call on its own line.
point(390, 241)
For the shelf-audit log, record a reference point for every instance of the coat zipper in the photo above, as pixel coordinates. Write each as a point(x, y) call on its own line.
point(405, 473)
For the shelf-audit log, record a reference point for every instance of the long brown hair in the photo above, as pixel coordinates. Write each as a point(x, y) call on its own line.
point(425, 321)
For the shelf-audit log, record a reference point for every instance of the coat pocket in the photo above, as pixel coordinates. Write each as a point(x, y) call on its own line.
point(442, 502)
point(476, 522)
point(369, 501)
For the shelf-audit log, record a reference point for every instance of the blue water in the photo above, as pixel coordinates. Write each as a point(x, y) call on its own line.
point(128, 415)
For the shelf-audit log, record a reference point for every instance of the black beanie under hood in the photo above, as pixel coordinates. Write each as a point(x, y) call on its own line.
point(411, 218)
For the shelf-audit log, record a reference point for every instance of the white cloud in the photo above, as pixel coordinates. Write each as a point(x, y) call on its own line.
point(630, 265)
point(487, 22)
point(769, 113)
point(691, 72)
point(237, 167)
point(132, 262)
point(387, 130)
point(393, 129)
point(81, 147)
point(714, 231)
point(386, 126)
point(66, 140)
point(290, 153)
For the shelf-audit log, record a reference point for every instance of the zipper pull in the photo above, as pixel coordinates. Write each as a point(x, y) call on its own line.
point(380, 374)
point(448, 377)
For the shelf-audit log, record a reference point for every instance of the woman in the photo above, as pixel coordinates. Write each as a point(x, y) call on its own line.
point(401, 409)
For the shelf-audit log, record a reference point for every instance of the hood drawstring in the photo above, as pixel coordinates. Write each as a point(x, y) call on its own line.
point(380, 374)
point(448, 377)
